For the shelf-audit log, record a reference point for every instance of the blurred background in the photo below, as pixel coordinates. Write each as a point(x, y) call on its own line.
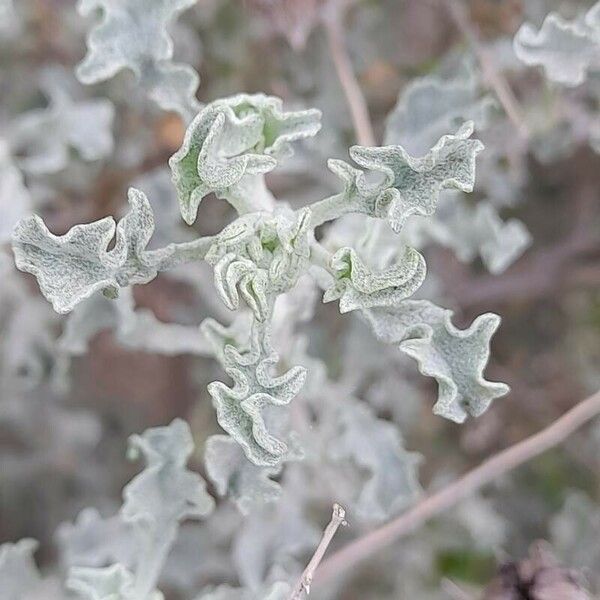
point(68, 401)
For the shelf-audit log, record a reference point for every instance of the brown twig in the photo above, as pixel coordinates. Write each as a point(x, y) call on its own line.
point(303, 584)
point(439, 502)
point(493, 77)
point(357, 104)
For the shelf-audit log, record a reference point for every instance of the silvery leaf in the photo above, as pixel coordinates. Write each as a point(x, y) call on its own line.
point(135, 328)
point(19, 575)
point(272, 539)
point(44, 137)
point(248, 409)
point(233, 475)
point(230, 140)
point(377, 447)
point(15, 199)
point(357, 286)
point(71, 267)
point(455, 358)
point(413, 184)
point(110, 583)
point(480, 230)
point(259, 256)
point(566, 50)
point(165, 492)
point(278, 591)
point(133, 34)
point(160, 497)
point(428, 107)
point(93, 541)
point(409, 185)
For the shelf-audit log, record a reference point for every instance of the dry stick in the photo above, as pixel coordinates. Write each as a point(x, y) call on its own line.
point(343, 67)
point(303, 584)
point(439, 502)
point(494, 78)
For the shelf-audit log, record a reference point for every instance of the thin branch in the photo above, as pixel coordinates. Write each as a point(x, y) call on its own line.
point(357, 104)
point(439, 502)
point(492, 75)
point(303, 584)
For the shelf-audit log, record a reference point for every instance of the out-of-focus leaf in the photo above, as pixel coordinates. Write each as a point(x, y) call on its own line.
point(233, 475)
point(567, 50)
point(133, 34)
point(44, 137)
point(455, 358)
point(376, 446)
point(431, 106)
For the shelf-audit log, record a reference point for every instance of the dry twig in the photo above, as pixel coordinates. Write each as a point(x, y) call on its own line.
point(493, 77)
point(357, 104)
point(303, 584)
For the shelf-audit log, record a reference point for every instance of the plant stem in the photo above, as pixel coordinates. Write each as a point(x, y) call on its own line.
point(439, 502)
point(343, 67)
point(494, 78)
point(303, 584)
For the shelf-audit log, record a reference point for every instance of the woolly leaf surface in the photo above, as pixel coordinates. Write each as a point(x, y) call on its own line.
point(235, 476)
point(567, 50)
point(249, 409)
point(133, 34)
point(71, 267)
point(455, 358)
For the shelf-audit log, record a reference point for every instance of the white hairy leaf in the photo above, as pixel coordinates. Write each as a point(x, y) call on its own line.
point(15, 199)
point(231, 140)
point(109, 583)
point(429, 107)
point(567, 50)
point(357, 286)
point(165, 492)
point(133, 34)
point(455, 358)
point(259, 256)
point(248, 410)
point(233, 475)
point(44, 137)
point(135, 328)
point(377, 447)
point(410, 185)
point(19, 575)
point(93, 541)
point(277, 591)
point(480, 230)
point(71, 267)
point(272, 541)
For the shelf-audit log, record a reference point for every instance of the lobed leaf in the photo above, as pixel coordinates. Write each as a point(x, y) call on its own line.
point(44, 138)
point(409, 185)
point(567, 50)
point(247, 410)
point(71, 267)
point(231, 139)
point(357, 286)
point(377, 447)
point(455, 358)
point(165, 492)
point(233, 475)
point(133, 34)
point(428, 107)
